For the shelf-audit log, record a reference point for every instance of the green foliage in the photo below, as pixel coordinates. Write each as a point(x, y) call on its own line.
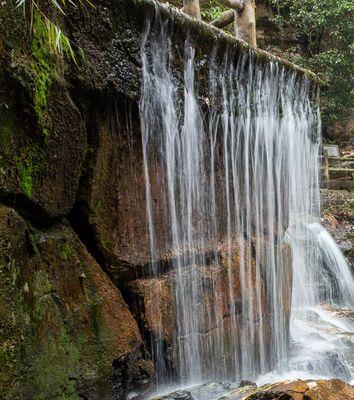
point(326, 31)
point(43, 72)
point(336, 68)
point(212, 9)
point(58, 43)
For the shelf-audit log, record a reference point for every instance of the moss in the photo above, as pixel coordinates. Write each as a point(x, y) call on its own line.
point(97, 207)
point(12, 325)
point(45, 72)
point(94, 303)
point(42, 285)
point(55, 357)
point(65, 252)
point(101, 352)
point(53, 368)
point(25, 170)
point(27, 166)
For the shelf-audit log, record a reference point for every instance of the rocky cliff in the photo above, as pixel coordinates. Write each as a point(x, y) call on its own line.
point(72, 213)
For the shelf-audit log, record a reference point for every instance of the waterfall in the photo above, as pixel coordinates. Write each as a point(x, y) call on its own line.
point(232, 188)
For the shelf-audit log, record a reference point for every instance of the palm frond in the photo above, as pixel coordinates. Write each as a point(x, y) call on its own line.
point(59, 43)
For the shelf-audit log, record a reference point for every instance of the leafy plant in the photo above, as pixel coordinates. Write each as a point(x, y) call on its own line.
point(325, 30)
point(58, 43)
point(212, 9)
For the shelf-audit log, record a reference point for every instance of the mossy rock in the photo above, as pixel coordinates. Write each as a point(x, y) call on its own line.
point(42, 135)
point(65, 330)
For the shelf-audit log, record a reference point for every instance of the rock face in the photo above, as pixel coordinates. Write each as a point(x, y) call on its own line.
point(65, 328)
point(152, 303)
point(113, 185)
point(338, 218)
point(42, 137)
point(72, 205)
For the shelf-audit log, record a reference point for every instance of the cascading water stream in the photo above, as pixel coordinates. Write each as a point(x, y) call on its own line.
point(232, 190)
point(322, 322)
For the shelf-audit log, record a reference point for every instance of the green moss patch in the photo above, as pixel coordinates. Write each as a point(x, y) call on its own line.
point(27, 166)
point(65, 252)
point(45, 70)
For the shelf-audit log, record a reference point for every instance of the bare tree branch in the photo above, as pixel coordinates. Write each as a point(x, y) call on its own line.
point(225, 19)
point(236, 5)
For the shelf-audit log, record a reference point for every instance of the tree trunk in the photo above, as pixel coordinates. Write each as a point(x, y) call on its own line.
point(191, 7)
point(245, 23)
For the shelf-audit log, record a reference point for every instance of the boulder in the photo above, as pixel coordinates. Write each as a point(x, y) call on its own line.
point(305, 390)
point(290, 390)
point(212, 391)
point(177, 395)
point(65, 330)
point(217, 390)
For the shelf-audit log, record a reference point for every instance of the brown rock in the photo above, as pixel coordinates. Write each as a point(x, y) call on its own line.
point(152, 300)
point(65, 329)
point(338, 218)
point(114, 191)
point(305, 390)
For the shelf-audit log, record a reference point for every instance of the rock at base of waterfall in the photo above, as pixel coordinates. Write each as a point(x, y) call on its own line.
point(217, 390)
point(213, 391)
point(177, 395)
point(334, 389)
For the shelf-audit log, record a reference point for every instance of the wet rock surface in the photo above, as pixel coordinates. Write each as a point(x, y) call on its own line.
point(152, 301)
point(212, 391)
point(290, 390)
point(70, 150)
point(338, 218)
point(305, 390)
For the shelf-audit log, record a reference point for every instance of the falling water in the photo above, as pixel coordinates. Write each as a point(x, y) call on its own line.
point(232, 196)
point(322, 305)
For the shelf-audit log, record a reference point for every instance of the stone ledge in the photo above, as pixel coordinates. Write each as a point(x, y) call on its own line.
point(210, 33)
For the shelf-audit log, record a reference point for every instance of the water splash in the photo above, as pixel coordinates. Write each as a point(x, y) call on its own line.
point(227, 184)
point(322, 323)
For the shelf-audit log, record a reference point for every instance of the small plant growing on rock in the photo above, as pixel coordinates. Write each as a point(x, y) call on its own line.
point(58, 42)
